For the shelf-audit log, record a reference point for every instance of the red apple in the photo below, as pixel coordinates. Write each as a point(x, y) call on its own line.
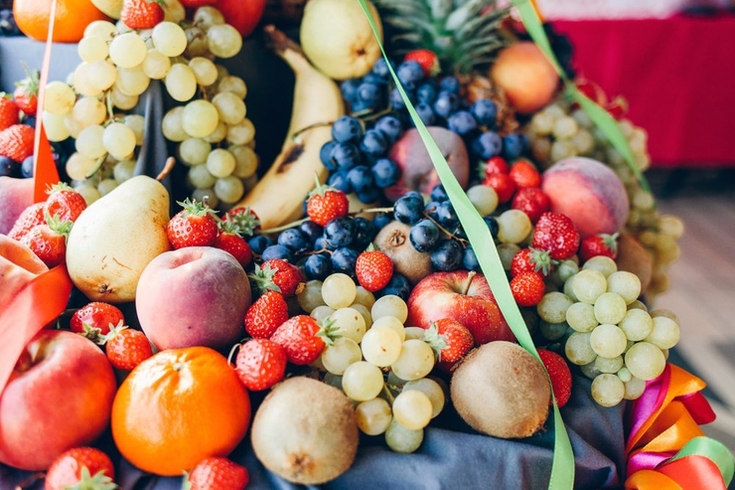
point(59, 396)
point(193, 296)
point(243, 15)
point(463, 296)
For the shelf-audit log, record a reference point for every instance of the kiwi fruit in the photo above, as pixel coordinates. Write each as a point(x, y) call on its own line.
point(305, 431)
point(394, 241)
point(501, 390)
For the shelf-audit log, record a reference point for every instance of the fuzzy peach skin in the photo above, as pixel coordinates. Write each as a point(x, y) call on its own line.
point(589, 192)
point(15, 196)
point(193, 296)
point(59, 396)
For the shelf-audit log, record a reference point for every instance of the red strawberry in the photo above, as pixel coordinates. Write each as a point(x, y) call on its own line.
point(141, 14)
point(230, 240)
point(325, 204)
point(450, 339)
point(556, 233)
point(302, 338)
point(279, 275)
point(531, 260)
point(217, 473)
point(193, 4)
point(592, 91)
point(427, 59)
point(8, 112)
point(195, 225)
point(48, 241)
point(16, 142)
point(525, 174)
point(81, 467)
point(265, 315)
point(617, 107)
point(602, 244)
point(532, 201)
point(495, 165)
point(503, 185)
point(95, 319)
point(559, 374)
point(126, 348)
point(373, 269)
point(244, 218)
point(64, 202)
point(528, 288)
point(31, 217)
point(260, 364)
point(26, 93)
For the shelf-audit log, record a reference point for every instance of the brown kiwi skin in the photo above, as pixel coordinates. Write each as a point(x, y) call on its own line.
point(394, 241)
point(305, 431)
point(501, 390)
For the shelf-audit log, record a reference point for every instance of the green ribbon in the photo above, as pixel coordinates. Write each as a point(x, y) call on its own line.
point(602, 119)
point(713, 450)
point(562, 470)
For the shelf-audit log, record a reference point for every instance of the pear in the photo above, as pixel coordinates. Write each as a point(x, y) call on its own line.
point(336, 37)
point(116, 237)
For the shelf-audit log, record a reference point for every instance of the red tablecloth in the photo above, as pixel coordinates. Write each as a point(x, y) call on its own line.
point(678, 75)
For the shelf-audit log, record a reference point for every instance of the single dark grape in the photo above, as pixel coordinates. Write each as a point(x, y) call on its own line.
point(512, 146)
point(426, 113)
point(346, 155)
point(381, 220)
point(469, 260)
point(391, 128)
point(410, 73)
point(462, 123)
point(8, 168)
point(338, 180)
point(364, 233)
point(385, 173)
point(409, 209)
point(325, 155)
point(343, 260)
point(349, 88)
point(369, 195)
point(426, 93)
point(347, 129)
point(485, 112)
point(398, 285)
point(318, 266)
point(438, 193)
point(26, 168)
point(369, 94)
point(360, 178)
point(424, 235)
point(311, 231)
point(447, 256)
point(373, 144)
point(339, 232)
point(450, 84)
point(492, 225)
point(487, 145)
point(259, 243)
point(446, 103)
point(294, 240)
point(446, 216)
point(277, 252)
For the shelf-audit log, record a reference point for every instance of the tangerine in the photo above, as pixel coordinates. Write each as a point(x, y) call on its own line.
point(72, 17)
point(177, 408)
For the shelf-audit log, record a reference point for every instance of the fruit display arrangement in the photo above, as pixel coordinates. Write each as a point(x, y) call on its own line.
point(292, 323)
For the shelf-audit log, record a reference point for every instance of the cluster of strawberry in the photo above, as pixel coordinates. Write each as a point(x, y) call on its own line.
point(17, 113)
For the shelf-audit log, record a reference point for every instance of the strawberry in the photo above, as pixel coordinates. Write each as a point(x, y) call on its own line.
point(325, 204)
point(556, 233)
point(559, 374)
point(373, 269)
point(602, 244)
point(503, 185)
point(26, 92)
point(260, 364)
point(81, 467)
point(525, 174)
point(244, 218)
point(64, 202)
point(195, 225)
point(48, 241)
point(531, 260)
point(302, 338)
point(428, 60)
point(450, 339)
point(266, 315)
point(279, 275)
point(141, 14)
point(532, 201)
point(494, 165)
point(528, 288)
point(8, 112)
point(16, 142)
point(31, 217)
point(126, 347)
point(617, 107)
point(95, 319)
point(230, 240)
point(193, 4)
point(216, 473)
point(592, 91)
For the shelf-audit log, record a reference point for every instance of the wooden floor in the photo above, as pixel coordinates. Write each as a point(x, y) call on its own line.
point(702, 289)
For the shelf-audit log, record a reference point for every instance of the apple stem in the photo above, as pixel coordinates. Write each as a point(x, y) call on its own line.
point(170, 162)
point(468, 282)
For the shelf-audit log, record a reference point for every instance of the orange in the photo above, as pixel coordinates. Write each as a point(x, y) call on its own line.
point(177, 408)
point(72, 17)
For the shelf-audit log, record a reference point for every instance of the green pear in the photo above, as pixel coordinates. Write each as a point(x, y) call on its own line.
point(336, 37)
point(116, 237)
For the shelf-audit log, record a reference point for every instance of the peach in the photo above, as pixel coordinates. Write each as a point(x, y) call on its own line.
point(59, 396)
point(418, 172)
point(193, 296)
point(18, 265)
point(527, 77)
point(589, 192)
point(16, 195)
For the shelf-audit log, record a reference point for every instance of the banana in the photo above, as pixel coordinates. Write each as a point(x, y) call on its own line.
point(278, 197)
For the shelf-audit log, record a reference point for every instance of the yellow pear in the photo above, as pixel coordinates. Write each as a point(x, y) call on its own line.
point(116, 237)
point(337, 38)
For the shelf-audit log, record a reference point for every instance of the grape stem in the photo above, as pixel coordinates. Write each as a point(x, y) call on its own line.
point(28, 482)
point(304, 220)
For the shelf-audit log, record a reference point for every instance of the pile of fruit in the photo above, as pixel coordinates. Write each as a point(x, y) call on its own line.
point(342, 284)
